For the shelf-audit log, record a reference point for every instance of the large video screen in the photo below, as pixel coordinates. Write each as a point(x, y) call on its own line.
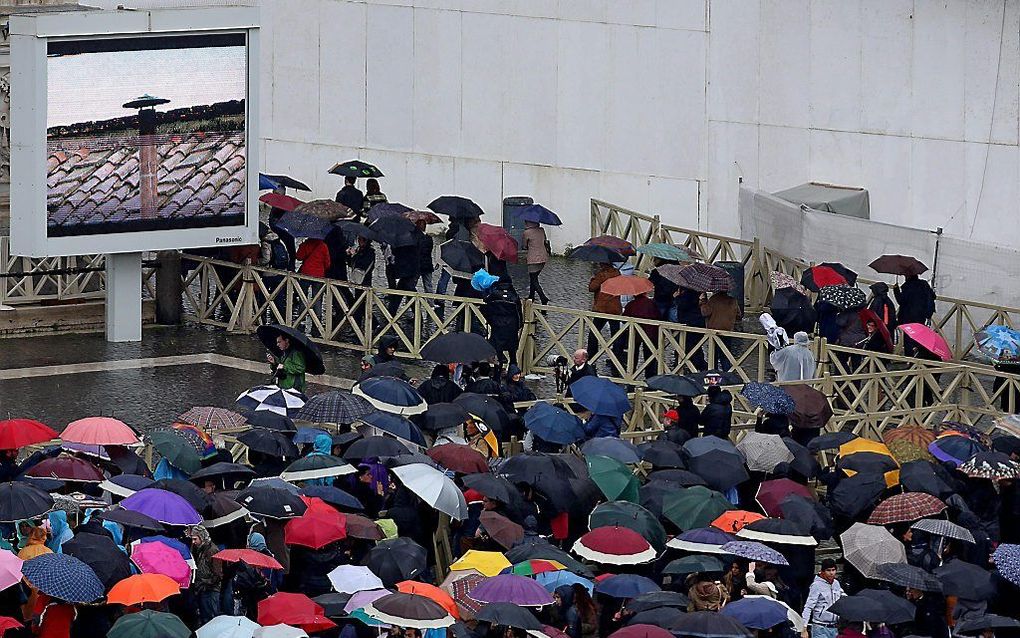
point(145, 133)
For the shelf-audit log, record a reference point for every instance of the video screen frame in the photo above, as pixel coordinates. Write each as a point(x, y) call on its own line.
point(31, 38)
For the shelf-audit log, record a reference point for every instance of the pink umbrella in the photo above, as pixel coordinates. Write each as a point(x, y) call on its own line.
point(928, 339)
point(10, 569)
point(157, 558)
point(99, 430)
point(362, 598)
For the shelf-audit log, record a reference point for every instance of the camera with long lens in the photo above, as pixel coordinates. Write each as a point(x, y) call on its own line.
point(559, 364)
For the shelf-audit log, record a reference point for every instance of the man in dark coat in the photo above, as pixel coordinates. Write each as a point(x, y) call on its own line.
point(882, 305)
point(406, 268)
point(502, 310)
point(482, 382)
point(717, 417)
point(350, 196)
point(438, 388)
point(917, 305)
point(581, 368)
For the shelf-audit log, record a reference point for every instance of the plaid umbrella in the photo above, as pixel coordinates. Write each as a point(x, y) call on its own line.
point(843, 296)
point(907, 507)
point(763, 452)
point(906, 575)
point(212, 418)
point(271, 398)
point(868, 546)
point(1007, 560)
point(752, 550)
point(63, 576)
point(337, 406)
point(768, 397)
point(898, 265)
point(991, 465)
point(944, 528)
point(461, 590)
point(913, 434)
point(703, 278)
point(780, 280)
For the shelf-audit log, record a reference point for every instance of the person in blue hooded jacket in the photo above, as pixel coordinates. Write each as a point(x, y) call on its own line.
point(60, 531)
point(602, 425)
point(322, 446)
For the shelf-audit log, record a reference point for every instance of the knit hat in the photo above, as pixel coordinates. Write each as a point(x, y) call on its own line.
point(482, 280)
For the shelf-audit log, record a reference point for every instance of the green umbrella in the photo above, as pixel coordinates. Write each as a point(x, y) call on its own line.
point(633, 517)
point(694, 507)
point(177, 450)
point(669, 252)
point(614, 478)
point(694, 564)
point(149, 624)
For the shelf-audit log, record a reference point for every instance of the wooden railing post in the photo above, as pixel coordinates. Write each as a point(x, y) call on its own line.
point(526, 349)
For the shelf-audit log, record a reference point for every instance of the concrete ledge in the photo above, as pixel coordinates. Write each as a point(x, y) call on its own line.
point(84, 316)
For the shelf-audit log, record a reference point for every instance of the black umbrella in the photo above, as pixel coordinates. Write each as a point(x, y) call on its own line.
point(398, 232)
point(127, 461)
point(657, 600)
point(333, 604)
point(396, 559)
point(456, 207)
point(676, 385)
point(830, 441)
point(270, 442)
point(684, 477)
point(536, 547)
point(357, 229)
point(221, 510)
point(20, 500)
point(286, 181)
point(974, 625)
point(462, 256)
point(269, 421)
point(874, 605)
point(374, 446)
point(868, 462)
point(187, 490)
point(720, 469)
point(458, 347)
point(99, 552)
point(226, 472)
point(313, 358)
point(652, 494)
point(534, 467)
point(662, 454)
point(804, 462)
point(709, 624)
point(665, 617)
point(812, 515)
point(793, 310)
point(386, 369)
point(130, 518)
point(855, 494)
point(597, 254)
point(966, 580)
point(920, 476)
point(509, 615)
point(441, 416)
point(336, 406)
point(272, 502)
point(355, 168)
point(906, 575)
point(334, 496)
point(495, 487)
point(486, 408)
point(388, 209)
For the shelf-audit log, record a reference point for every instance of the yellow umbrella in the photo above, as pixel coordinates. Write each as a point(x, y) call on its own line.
point(488, 563)
point(864, 445)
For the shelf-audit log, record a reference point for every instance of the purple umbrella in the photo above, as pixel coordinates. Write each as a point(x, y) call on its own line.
point(166, 507)
point(362, 598)
point(511, 588)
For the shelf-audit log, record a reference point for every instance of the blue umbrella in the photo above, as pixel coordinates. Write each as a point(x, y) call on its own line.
point(601, 396)
point(614, 448)
point(703, 445)
point(390, 394)
point(333, 496)
point(540, 215)
point(552, 580)
point(307, 435)
point(553, 424)
point(768, 397)
point(707, 540)
point(64, 577)
point(266, 184)
point(1007, 560)
point(757, 613)
point(754, 551)
point(998, 342)
point(304, 225)
point(396, 425)
point(626, 586)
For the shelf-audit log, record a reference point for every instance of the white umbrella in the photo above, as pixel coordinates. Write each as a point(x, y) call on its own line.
point(228, 627)
point(280, 631)
point(868, 546)
point(350, 579)
point(434, 487)
point(763, 452)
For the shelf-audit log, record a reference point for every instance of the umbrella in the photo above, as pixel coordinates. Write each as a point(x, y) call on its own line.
point(868, 546)
point(944, 528)
point(269, 442)
point(316, 528)
point(501, 529)
point(657, 617)
point(486, 408)
point(553, 424)
point(142, 588)
point(780, 280)
point(18, 433)
point(720, 469)
point(770, 398)
point(657, 600)
point(928, 339)
point(702, 277)
point(830, 441)
point(613, 478)
point(307, 436)
point(128, 518)
point(703, 445)
point(350, 579)
point(511, 588)
point(552, 580)
point(390, 394)
point(98, 551)
point(906, 575)
point(706, 540)
point(271, 398)
point(388, 209)
point(227, 627)
point(621, 246)
point(508, 615)
point(996, 466)
point(600, 396)
point(176, 450)
point(187, 490)
point(271, 502)
point(669, 252)
point(317, 466)
point(535, 547)
point(374, 446)
point(998, 343)
point(281, 180)
point(485, 563)
point(913, 434)
point(626, 285)
point(459, 458)
point(158, 557)
point(462, 256)
point(772, 493)
point(709, 624)
point(966, 580)
point(906, 508)
point(293, 609)
point(149, 624)
point(955, 448)
point(793, 310)
point(397, 559)
point(695, 507)
point(21, 501)
point(433, 487)
point(10, 569)
point(285, 203)
point(282, 630)
point(267, 334)
point(498, 241)
point(817, 277)
point(163, 506)
point(248, 557)
point(641, 630)
point(458, 347)
point(898, 265)
point(222, 510)
point(269, 421)
point(409, 610)
point(975, 625)
point(757, 612)
point(398, 232)
point(676, 385)
point(1007, 560)
point(536, 566)
point(357, 229)
point(418, 216)
point(811, 407)
point(228, 472)
point(63, 576)
point(99, 430)
point(398, 426)
point(763, 452)
point(300, 223)
point(625, 586)
point(326, 209)
point(495, 487)
point(614, 546)
point(456, 207)
point(633, 517)
point(694, 564)
point(441, 416)
point(777, 530)
point(662, 454)
point(874, 605)
point(355, 168)
point(622, 451)
point(597, 254)
point(855, 494)
point(919, 476)
point(752, 550)
point(539, 214)
point(843, 296)
point(66, 468)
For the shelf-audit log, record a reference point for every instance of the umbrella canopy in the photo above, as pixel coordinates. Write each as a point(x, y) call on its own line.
point(228, 627)
point(811, 515)
point(955, 448)
point(375, 446)
point(657, 600)
point(66, 468)
point(811, 407)
point(271, 502)
point(10, 569)
point(817, 277)
point(1007, 560)
point(511, 588)
point(906, 575)
point(142, 588)
point(297, 610)
point(597, 254)
point(269, 421)
point(458, 347)
point(695, 507)
point(702, 277)
point(944, 528)
point(536, 566)
point(350, 579)
point(21, 501)
point(975, 625)
point(160, 558)
point(641, 630)
point(625, 586)
point(398, 232)
point(364, 528)
point(326, 209)
point(662, 454)
point(456, 207)
point(462, 257)
point(18, 433)
point(874, 605)
point(720, 469)
point(313, 358)
point(269, 442)
point(915, 435)
point(498, 241)
point(397, 559)
point(553, 424)
point(458, 457)
point(614, 448)
point(906, 508)
point(777, 530)
point(149, 624)
point(755, 551)
point(627, 285)
point(780, 280)
point(996, 466)
point(633, 517)
point(771, 494)
point(614, 546)
point(391, 395)
point(501, 529)
point(98, 551)
point(99, 430)
point(676, 385)
point(433, 487)
point(898, 265)
point(613, 478)
point(757, 612)
point(998, 343)
point(508, 615)
point(694, 564)
point(928, 339)
point(409, 610)
point(388, 209)
point(706, 540)
point(63, 576)
point(355, 168)
point(336, 406)
point(843, 297)
point(966, 580)
point(793, 310)
point(621, 246)
point(285, 203)
point(600, 396)
point(303, 224)
point(486, 408)
point(709, 624)
point(316, 528)
point(223, 472)
point(539, 214)
point(128, 518)
point(398, 426)
point(440, 416)
point(763, 452)
point(317, 466)
point(486, 563)
point(163, 506)
point(176, 450)
point(868, 546)
point(669, 252)
point(268, 180)
point(248, 557)
point(770, 398)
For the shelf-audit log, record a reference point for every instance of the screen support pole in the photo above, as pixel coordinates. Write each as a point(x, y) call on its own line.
point(124, 297)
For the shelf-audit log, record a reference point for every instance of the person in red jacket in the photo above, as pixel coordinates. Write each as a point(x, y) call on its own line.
point(314, 257)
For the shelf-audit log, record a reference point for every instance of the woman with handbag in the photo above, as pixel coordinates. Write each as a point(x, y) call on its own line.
point(537, 246)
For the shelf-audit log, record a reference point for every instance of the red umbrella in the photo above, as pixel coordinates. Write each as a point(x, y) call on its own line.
point(316, 528)
point(614, 546)
point(459, 458)
point(67, 468)
point(627, 285)
point(99, 430)
point(248, 557)
point(283, 202)
point(621, 246)
point(771, 494)
point(17, 433)
point(817, 277)
point(928, 339)
point(498, 242)
point(297, 610)
point(7, 623)
point(866, 315)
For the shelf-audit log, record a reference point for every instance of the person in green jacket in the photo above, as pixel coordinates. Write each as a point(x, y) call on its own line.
point(289, 367)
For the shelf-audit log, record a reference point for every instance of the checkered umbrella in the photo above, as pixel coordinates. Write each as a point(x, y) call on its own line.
point(868, 546)
point(1007, 560)
point(752, 550)
point(906, 575)
point(338, 406)
point(991, 465)
point(843, 296)
point(211, 418)
point(944, 528)
point(703, 278)
point(763, 452)
point(904, 508)
point(272, 398)
point(63, 576)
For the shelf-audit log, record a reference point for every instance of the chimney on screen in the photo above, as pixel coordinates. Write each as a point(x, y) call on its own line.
point(147, 160)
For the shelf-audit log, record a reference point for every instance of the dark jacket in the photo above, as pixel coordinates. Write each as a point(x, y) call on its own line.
point(641, 307)
point(930, 617)
point(502, 310)
point(208, 571)
point(351, 197)
point(405, 259)
point(851, 330)
point(664, 289)
point(602, 425)
point(516, 391)
point(309, 569)
point(288, 240)
point(717, 417)
point(425, 263)
point(882, 305)
point(917, 301)
point(773, 424)
point(336, 242)
point(439, 390)
point(484, 385)
point(587, 370)
point(688, 308)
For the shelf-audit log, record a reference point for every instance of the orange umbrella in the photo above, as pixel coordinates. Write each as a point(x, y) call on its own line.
point(626, 285)
point(143, 588)
point(430, 591)
point(734, 520)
